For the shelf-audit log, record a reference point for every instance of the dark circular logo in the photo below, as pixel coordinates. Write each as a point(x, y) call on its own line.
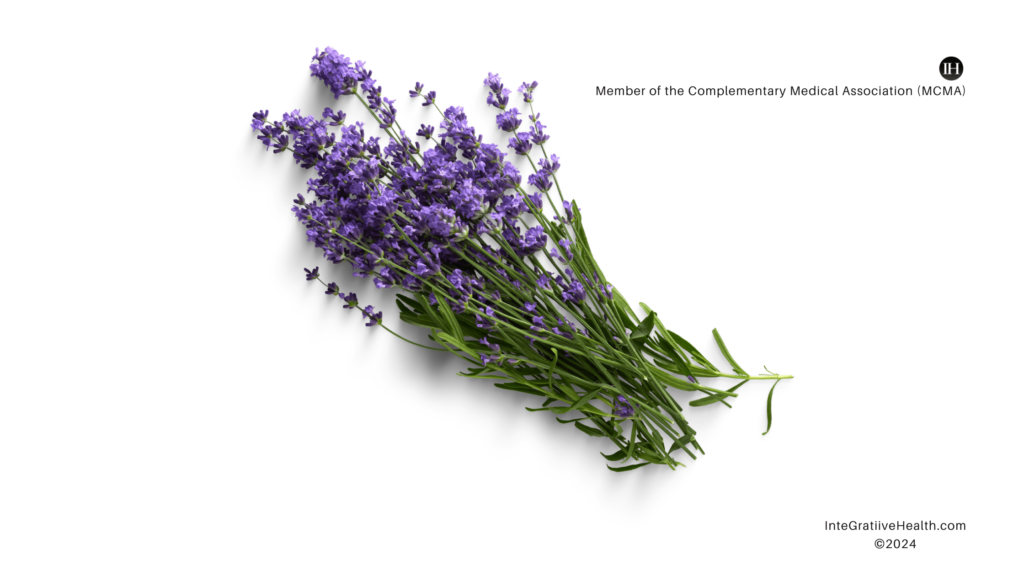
point(951, 68)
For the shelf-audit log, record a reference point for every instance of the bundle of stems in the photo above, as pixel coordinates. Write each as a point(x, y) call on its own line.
point(445, 224)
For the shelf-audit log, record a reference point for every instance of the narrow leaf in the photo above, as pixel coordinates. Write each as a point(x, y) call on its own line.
point(555, 409)
point(770, 408)
point(626, 314)
point(620, 455)
point(518, 388)
point(572, 420)
point(642, 333)
point(725, 352)
point(716, 397)
point(644, 329)
point(628, 468)
point(585, 399)
point(681, 443)
point(682, 366)
point(454, 329)
point(689, 348)
point(589, 430)
point(632, 441)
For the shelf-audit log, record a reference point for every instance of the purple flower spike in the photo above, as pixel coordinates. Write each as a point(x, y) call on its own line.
point(259, 119)
point(521, 143)
point(493, 81)
point(574, 293)
point(425, 131)
point(623, 408)
point(551, 166)
point(509, 121)
point(312, 274)
point(540, 180)
point(484, 323)
point(527, 91)
point(332, 289)
point(537, 135)
point(350, 300)
point(499, 99)
point(337, 71)
point(374, 318)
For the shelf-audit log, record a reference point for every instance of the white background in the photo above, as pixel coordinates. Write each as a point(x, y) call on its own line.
point(177, 399)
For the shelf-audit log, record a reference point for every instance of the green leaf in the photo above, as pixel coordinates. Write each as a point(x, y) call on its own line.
point(457, 343)
point(453, 323)
point(725, 352)
point(435, 318)
point(770, 392)
point(516, 387)
point(689, 348)
point(585, 399)
point(412, 303)
point(470, 372)
point(682, 366)
point(530, 371)
point(626, 315)
point(620, 455)
point(572, 420)
point(717, 397)
point(551, 371)
point(421, 320)
point(681, 443)
point(589, 430)
point(402, 308)
point(672, 340)
point(656, 436)
point(645, 453)
point(696, 445)
point(628, 468)
point(577, 226)
point(555, 409)
point(643, 331)
point(632, 441)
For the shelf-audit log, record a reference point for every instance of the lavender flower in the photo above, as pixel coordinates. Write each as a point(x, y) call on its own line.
point(450, 225)
point(537, 135)
point(574, 293)
point(550, 166)
point(527, 91)
point(336, 118)
point(623, 408)
point(521, 143)
point(509, 121)
point(375, 319)
point(487, 322)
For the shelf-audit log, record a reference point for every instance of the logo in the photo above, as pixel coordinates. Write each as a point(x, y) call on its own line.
point(951, 68)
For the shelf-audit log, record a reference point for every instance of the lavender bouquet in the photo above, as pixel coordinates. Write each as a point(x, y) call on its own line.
point(499, 274)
